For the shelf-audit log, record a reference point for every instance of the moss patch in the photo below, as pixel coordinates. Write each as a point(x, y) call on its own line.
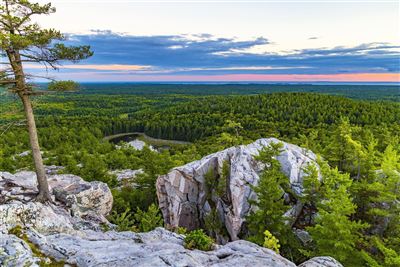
point(45, 261)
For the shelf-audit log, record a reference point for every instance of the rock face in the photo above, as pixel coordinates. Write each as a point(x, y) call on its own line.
point(182, 192)
point(56, 233)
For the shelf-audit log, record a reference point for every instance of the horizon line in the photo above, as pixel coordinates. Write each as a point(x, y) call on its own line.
point(389, 83)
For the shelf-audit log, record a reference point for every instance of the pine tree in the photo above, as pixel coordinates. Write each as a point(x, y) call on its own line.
point(270, 205)
point(378, 196)
point(334, 233)
point(347, 153)
point(386, 257)
point(312, 190)
point(337, 150)
point(23, 41)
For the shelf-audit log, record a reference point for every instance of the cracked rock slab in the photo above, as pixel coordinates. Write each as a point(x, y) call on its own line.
point(156, 248)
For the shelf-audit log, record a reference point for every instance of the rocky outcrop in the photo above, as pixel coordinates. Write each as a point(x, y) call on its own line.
point(126, 177)
point(321, 262)
point(52, 233)
point(44, 218)
point(156, 248)
point(82, 198)
point(139, 145)
point(183, 196)
point(159, 247)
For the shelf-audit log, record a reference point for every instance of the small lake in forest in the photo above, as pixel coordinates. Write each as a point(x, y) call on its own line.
point(124, 138)
point(154, 142)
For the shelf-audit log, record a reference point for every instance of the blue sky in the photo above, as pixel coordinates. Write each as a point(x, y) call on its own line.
point(222, 41)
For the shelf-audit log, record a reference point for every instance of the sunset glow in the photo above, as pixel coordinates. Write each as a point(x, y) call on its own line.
point(294, 41)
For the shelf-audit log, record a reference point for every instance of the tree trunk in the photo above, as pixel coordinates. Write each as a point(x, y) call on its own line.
point(44, 193)
point(23, 93)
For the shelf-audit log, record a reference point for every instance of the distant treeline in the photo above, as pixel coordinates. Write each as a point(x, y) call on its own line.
point(369, 92)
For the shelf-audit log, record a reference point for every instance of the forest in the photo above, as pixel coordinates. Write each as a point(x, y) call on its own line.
point(354, 129)
point(225, 169)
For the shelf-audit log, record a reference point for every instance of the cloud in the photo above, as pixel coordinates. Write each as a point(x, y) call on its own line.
point(313, 38)
point(112, 67)
point(205, 54)
point(163, 51)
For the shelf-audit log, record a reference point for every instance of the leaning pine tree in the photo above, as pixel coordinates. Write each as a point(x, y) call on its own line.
point(22, 40)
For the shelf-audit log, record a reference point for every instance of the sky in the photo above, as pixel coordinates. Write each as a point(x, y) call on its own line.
point(298, 41)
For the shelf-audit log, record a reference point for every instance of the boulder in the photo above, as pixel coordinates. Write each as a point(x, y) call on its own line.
point(81, 197)
point(126, 177)
point(43, 218)
point(182, 193)
point(139, 145)
point(321, 262)
point(53, 169)
point(24, 154)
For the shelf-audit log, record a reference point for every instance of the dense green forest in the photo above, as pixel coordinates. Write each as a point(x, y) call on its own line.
point(355, 130)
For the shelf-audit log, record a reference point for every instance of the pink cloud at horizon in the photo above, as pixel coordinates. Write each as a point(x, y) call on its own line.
point(354, 77)
point(344, 77)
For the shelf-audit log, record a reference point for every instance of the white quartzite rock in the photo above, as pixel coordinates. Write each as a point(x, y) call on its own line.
point(63, 235)
point(321, 262)
point(15, 252)
point(126, 177)
point(139, 145)
point(182, 195)
point(159, 248)
point(81, 197)
point(37, 216)
point(156, 248)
